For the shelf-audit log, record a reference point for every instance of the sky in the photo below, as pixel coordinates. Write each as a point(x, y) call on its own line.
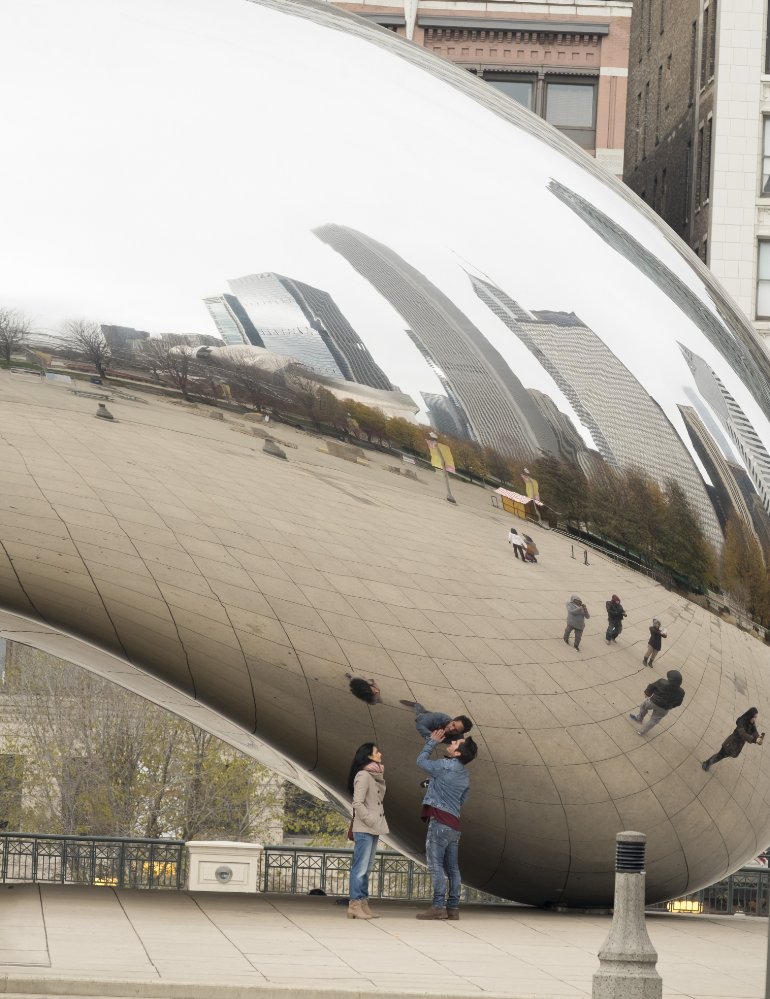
point(160, 147)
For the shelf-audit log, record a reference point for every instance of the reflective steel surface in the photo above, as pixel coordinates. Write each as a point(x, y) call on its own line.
point(306, 187)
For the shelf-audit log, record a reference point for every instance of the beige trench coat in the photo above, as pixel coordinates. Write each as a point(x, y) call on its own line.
point(368, 795)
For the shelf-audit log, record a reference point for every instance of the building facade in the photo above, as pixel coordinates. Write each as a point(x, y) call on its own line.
point(698, 135)
point(567, 62)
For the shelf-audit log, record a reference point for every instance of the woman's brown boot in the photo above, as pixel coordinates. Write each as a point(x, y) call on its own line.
point(367, 910)
point(356, 910)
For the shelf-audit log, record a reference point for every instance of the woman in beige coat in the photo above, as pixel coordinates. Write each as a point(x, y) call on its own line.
point(366, 784)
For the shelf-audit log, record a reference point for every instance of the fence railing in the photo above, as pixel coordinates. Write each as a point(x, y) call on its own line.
point(299, 870)
point(162, 863)
point(89, 860)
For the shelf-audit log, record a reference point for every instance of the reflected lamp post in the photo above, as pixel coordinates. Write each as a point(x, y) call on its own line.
point(449, 497)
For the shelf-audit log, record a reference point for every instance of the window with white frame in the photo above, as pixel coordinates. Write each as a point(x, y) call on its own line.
point(765, 189)
point(763, 280)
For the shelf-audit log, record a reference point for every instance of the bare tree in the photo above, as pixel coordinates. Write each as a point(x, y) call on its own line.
point(14, 332)
point(251, 382)
point(85, 337)
point(98, 760)
point(177, 363)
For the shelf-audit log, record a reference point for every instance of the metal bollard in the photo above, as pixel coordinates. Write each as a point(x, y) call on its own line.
point(627, 958)
point(573, 550)
point(585, 557)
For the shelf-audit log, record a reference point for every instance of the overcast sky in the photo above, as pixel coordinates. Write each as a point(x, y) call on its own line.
point(157, 148)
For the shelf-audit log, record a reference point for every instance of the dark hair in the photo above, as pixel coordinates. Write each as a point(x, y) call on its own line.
point(362, 757)
point(467, 724)
point(747, 718)
point(467, 751)
point(362, 689)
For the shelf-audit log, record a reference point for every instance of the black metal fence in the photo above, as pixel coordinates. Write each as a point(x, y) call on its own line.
point(299, 870)
point(88, 860)
point(746, 891)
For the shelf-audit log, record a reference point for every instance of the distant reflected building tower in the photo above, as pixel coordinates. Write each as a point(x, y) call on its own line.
point(444, 415)
point(606, 396)
point(344, 344)
point(498, 410)
point(729, 498)
point(739, 428)
point(231, 321)
point(280, 323)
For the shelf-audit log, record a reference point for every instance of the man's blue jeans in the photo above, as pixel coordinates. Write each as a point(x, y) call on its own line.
point(441, 847)
point(364, 852)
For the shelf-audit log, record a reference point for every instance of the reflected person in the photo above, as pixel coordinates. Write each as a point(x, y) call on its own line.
point(577, 615)
point(745, 732)
point(367, 691)
point(446, 793)
point(366, 784)
point(427, 722)
point(660, 697)
point(615, 615)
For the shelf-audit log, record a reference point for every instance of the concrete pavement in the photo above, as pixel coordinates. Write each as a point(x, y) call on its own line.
point(70, 941)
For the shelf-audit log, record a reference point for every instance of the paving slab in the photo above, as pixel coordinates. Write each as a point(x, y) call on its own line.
point(102, 942)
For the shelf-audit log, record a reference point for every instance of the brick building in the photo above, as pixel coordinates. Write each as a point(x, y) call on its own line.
point(698, 135)
point(567, 62)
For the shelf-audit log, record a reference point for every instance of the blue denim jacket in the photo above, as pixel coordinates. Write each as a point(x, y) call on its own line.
point(449, 781)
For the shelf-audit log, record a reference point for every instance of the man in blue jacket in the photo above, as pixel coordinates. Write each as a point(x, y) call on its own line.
point(447, 790)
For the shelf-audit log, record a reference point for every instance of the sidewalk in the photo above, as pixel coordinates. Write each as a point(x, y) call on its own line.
point(69, 941)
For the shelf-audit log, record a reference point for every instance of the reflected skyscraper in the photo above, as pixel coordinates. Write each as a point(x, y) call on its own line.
point(344, 344)
point(571, 444)
point(444, 415)
point(744, 353)
point(738, 426)
point(604, 392)
point(498, 410)
point(280, 323)
point(231, 321)
point(729, 498)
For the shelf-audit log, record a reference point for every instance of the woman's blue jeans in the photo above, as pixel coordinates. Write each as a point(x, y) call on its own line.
point(364, 852)
point(441, 849)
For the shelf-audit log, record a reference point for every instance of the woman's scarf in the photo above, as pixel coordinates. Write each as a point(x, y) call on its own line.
point(374, 768)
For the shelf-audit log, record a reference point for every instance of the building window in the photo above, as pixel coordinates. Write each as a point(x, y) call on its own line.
point(687, 187)
point(707, 161)
point(649, 25)
point(693, 56)
point(704, 250)
point(704, 43)
point(645, 113)
point(712, 38)
point(571, 107)
point(641, 25)
point(662, 16)
point(638, 130)
point(766, 156)
point(662, 210)
point(763, 280)
point(659, 104)
point(521, 91)
point(699, 170)
point(767, 40)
